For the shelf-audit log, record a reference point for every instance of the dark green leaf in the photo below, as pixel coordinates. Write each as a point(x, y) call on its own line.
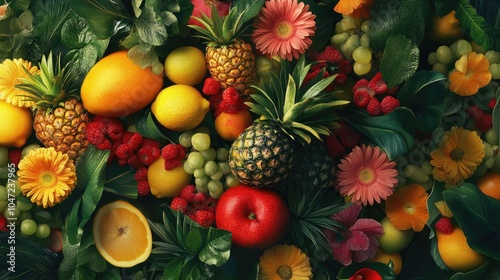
point(443, 7)
point(217, 250)
point(425, 94)
point(496, 115)
point(478, 215)
point(111, 273)
point(478, 273)
point(146, 125)
point(325, 22)
point(195, 239)
point(399, 61)
point(51, 16)
point(252, 8)
point(173, 270)
point(393, 132)
point(150, 27)
point(120, 180)
point(143, 54)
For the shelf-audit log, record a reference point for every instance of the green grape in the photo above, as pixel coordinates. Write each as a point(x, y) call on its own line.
point(495, 71)
point(463, 47)
point(347, 24)
point(17, 190)
point(339, 39)
point(132, 128)
point(362, 55)
point(338, 28)
point(361, 68)
point(210, 167)
point(202, 188)
point(444, 55)
point(24, 215)
point(217, 175)
point(352, 43)
point(199, 172)
point(231, 181)
point(491, 137)
point(489, 163)
point(365, 26)
point(188, 168)
point(215, 188)
point(432, 58)
point(439, 67)
point(200, 141)
point(492, 56)
point(364, 40)
point(3, 193)
point(195, 160)
point(453, 48)
point(26, 150)
point(11, 213)
point(209, 154)
point(4, 172)
point(202, 129)
point(24, 206)
point(224, 166)
point(3, 205)
point(28, 227)
point(202, 181)
point(4, 156)
point(185, 138)
point(222, 154)
point(157, 68)
point(426, 168)
point(42, 231)
point(488, 151)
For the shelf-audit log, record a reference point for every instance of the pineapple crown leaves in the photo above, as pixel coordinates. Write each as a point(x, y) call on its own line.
point(302, 110)
point(220, 30)
point(52, 85)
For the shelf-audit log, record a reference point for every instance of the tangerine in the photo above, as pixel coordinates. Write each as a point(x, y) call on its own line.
point(489, 184)
point(230, 126)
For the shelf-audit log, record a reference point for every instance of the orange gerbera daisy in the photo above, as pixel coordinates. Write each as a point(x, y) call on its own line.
point(471, 73)
point(354, 8)
point(407, 208)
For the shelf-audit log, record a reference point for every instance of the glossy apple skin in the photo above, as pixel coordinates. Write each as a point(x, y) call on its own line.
point(256, 217)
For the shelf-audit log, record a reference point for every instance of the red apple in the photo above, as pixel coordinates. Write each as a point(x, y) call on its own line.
point(256, 217)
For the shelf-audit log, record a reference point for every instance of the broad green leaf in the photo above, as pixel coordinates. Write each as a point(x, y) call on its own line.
point(478, 215)
point(443, 7)
point(217, 250)
point(393, 132)
point(399, 61)
point(146, 125)
point(478, 273)
point(252, 8)
point(425, 94)
point(195, 239)
point(120, 180)
point(143, 54)
point(173, 270)
point(325, 22)
point(150, 27)
point(50, 17)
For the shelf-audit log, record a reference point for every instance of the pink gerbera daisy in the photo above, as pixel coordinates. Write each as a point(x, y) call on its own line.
point(205, 7)
point(367, 175)
point(284, 28)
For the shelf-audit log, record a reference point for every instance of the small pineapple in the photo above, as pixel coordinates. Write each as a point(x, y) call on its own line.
point(60, 119)
point(291, 114)
point(230, 59)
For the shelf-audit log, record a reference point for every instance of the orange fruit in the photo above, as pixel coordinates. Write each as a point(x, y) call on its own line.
point(489, 184)
point(166, 183)
point(186, 65)
point(116, 87)
point(456, 253)
point(180, 107)
point(122, 234)
point(16, 123)
point(384, 257)
point(230, 126)
point(445, 29)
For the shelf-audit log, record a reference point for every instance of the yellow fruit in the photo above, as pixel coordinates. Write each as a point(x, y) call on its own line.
point(443, 208)
point(230, 126)
point(186, 65)
point(384, 257)
point(122, 234)
point(394, 240)
point(166, 183)
point(456, 253)
point(115, 86)
point(16, 125)
point(180, 107)
point(445, 29)
point(489, 184)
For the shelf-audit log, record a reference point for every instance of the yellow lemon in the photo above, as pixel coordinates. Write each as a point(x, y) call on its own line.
point(456, 253)
point(180, 107)
point(16, 125)
point(185, 65)
point(166, 183)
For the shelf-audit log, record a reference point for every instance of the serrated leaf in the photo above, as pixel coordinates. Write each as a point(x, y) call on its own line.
point(217, 251)
point(399, 61)
point(150, 27)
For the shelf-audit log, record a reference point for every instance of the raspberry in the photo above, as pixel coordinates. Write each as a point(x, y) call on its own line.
point(485, 123)
point(492, 103)
point(143, 188)
point(147, 155)
point(331, 55)
point(134, 161)
point(146, 142)
point(388, 104)
point(200, 200)
point(311, 74)
point(374, 108)
point(104, 145)
point(377, 84)
point(363, 83)
point(134, 140)
point(392, 91)
point(141, 174)
point(475, 112)
point(345, 67)
point(187, 193)
point(115, 129)
point(444, 225)
point(94, 133)
point(124, 151)
point(341, 79)
point(179, 204)
point(3, 224)
point(173, 151)
point(334, 147)
point(15, 156)
point(211, 86)
point(122, 161)
point(230, 95)
point(361, 98)
point(348, 137)
point(228, 107)
point(204, 218)
point(212, 203)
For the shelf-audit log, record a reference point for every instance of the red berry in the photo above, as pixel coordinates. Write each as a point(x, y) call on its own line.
point(230, 95)
point(146, 142)
point(377, 84)
point(115, 129)
point(134, 161)
point(104, 145)
point(3, 224)
point(334, 147)
point(141, 174)
point(187, 193)
point(147, 155)
point(485, 123)
point(15, 156)
point(124, 151)
point(475, 112)
point(135, 141)
point(492, 103)
point(341, 79)
point(363, 83)
point(374, 108)
point(348, 137)
point(172, 154)
point(179, 204)
point(211, 86)
point(330, 54)
point(204, 218)
point(143, 188)
point(361, 98)
point(444, 225)
point(388, 104)
point(94, 133)
point(345, 67)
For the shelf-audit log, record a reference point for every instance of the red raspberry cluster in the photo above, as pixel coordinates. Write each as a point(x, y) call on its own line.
point(334, 62)
point(15, 156)
point(103, 132)
point(222, 100)
point(173, 155)
point(483, 119)
point(343, 139)
point(196, 205)
point(141, 176)
point(374, 96)
point(444, 225)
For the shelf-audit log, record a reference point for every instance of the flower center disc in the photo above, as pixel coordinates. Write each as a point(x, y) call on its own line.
point(366, 175)
point(457, 154)
point(284, 29)
point(47, 179)
point(285, 272)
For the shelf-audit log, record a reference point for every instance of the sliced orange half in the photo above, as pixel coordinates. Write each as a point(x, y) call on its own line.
point(122, 234)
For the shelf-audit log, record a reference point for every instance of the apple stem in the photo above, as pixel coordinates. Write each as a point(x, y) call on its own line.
point(251, 216)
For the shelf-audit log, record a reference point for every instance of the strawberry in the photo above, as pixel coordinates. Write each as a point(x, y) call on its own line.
point(444, 225)
point(388, 104)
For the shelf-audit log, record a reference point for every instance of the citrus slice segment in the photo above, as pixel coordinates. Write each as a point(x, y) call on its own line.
point(122, 234)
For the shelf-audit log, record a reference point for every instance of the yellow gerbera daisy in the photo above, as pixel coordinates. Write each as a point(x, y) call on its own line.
point(458, 155)
point(46, 176)
point(12, 71)
point(284, 262)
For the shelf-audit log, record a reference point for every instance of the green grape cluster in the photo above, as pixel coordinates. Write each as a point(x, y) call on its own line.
point(352, 40)
point(209, 166)
point(494, 58)
point(491, 160)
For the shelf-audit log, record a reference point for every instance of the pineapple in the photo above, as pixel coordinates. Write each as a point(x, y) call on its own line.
point(291, 114)
point(230, 59)
point(315, 165)
point(60, 119)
